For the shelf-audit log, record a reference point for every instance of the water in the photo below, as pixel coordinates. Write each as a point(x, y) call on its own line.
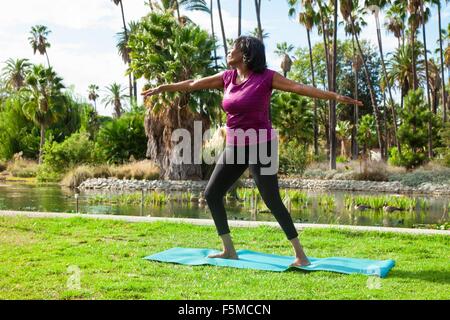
point(53, 198)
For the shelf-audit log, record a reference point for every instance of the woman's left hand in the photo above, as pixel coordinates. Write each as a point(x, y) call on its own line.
point(348, 100)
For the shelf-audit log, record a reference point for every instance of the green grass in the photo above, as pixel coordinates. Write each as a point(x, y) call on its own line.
point(36, 255)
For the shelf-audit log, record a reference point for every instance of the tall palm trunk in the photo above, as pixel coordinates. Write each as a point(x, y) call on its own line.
point(355, 150)
point(316, 133)
point(430, 142)
point(391, 100)
point(332, 107)
point(41, 143)
point(441, 55)
point(413, 58)
point(215, 53)
point(328, 66)
point(48, 60)
point(239, 17)
point(126, 39)
point(258, 18)
point(225, 48)
point(376, 112)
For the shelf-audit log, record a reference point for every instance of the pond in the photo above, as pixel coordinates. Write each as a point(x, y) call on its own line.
point(328, 207)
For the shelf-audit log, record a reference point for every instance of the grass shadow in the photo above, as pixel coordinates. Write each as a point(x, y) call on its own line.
point(436, 276)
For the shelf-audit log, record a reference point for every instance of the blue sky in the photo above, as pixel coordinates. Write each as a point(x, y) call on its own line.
point(83, 34)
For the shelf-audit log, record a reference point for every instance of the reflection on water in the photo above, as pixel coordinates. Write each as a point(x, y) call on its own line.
point(53, 198)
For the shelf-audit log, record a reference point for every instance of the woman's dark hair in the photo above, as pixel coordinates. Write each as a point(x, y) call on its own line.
point(253, 52)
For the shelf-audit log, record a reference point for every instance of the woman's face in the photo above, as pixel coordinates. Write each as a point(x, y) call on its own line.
point(234, 56)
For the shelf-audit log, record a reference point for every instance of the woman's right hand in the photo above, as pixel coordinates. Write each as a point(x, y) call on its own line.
point(151, 92)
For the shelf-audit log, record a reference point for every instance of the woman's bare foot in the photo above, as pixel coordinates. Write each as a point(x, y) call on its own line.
point(224, 255)
point(301, 262)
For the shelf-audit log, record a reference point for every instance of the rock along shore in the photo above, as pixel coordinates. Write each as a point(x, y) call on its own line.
point(115, 184)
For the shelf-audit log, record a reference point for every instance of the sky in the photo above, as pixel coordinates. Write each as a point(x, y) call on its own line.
point(83, 35)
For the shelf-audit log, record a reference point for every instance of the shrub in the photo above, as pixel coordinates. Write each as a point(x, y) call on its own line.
point(407, 159)
point(23, 168)
point(293, 158)
point(76, 176)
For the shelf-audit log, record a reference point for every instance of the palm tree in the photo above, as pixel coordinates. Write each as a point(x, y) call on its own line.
point(44, 101)
point(423, 22)
point(93, 95)
point(359, 22)
point(255, 33)
point(441, 56)
point(224, 38)
point(414, 22)
point(39, 41)
point(308, 18)
point(258, 18)
point(347, 7)
point(343, 131)
point(239, 17)
point(114, 97)
point(213, 34)
point(283, 50)
point(396, 22)
point(435, 83)
point(14, 73)
point(124, 54)
point(376, 6)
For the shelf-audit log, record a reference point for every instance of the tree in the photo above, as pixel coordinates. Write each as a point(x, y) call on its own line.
point(441, 57)
point(165, 52)
point(43, 99)
point(346, 9)
point(375, 6)
point(14, 73)
point(39, 41)
point(93, 95)
point(283, 50)
point(122, 45)
point(114, 97)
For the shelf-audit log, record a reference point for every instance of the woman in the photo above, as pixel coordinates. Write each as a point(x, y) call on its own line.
point(247, 91)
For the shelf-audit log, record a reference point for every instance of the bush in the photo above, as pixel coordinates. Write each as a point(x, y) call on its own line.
point(23, 168)
point(122, 138)
point(2, 166)
point(407, 159)
point(62, 157)
point(76, 176)
point(293, 158)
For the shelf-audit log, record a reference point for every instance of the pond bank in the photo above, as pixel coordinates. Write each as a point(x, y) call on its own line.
point(199, 186)
point(210, 222)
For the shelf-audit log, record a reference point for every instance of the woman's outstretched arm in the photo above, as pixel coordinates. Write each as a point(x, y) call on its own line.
point(211, 82)
point(281, 83)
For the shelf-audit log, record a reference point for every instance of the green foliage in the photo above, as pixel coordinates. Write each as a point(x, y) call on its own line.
point(17, 133)
point(60, 157)
point(121, 138)
point(367, 134)
point(293, 158)
point(292, 115)
point(444, 151)
point(162, 51)
point(413, 132)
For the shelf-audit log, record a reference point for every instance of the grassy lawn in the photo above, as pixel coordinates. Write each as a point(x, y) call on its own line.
point(36, 254)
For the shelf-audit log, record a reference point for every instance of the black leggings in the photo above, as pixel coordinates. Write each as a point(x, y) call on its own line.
point(225, 175)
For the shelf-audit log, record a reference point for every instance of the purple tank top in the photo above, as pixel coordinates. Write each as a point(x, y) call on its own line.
point(247, 107)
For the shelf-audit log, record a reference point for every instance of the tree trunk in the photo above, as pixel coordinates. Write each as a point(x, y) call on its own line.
point(441, 55)
point(430, 132)
point(126, 40)
point(223, 30)
point(332, 106)
point(258, 18)
point(239, 17)
point(372, 93)
point(159, 128)
point(41, 144)
point(391, 100)
point(354, 140)
point(316, 134)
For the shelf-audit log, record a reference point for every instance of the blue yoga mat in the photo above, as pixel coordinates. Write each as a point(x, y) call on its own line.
point(271, 262)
